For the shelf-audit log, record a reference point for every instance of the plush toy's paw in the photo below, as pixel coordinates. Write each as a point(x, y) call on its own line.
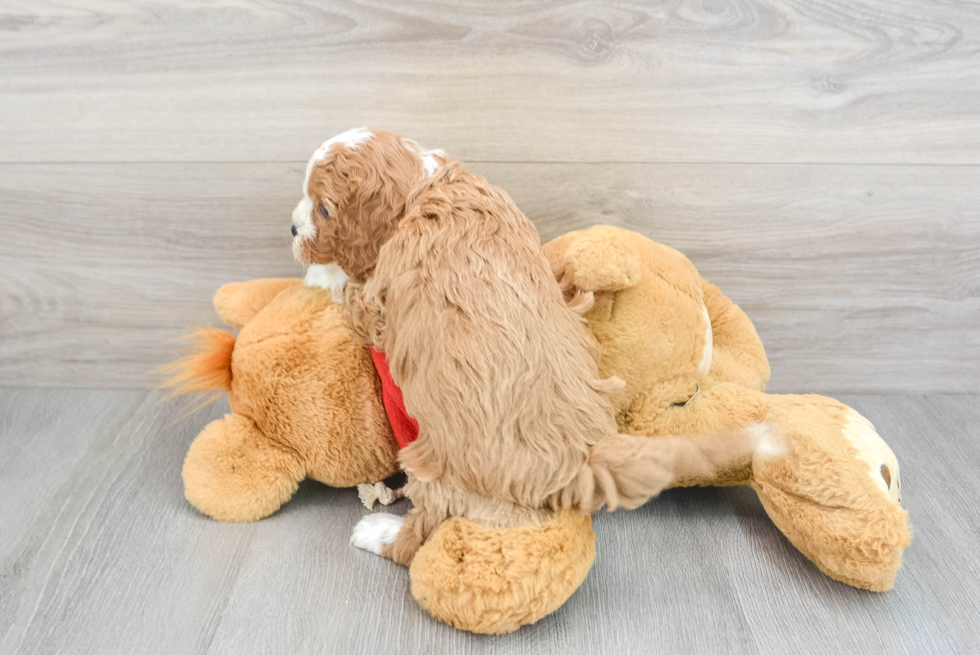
point(235, 473)
point(495, 581)
point(835, 495)
point(375, 531)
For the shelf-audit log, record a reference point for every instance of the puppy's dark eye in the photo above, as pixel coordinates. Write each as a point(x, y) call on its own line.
point(323, 210)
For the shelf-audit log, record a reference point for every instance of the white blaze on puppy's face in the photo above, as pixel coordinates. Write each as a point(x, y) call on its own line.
point(303, 219)
point(351, 138)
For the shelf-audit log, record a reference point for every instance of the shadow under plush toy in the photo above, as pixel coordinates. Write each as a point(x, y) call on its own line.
point(306, 402)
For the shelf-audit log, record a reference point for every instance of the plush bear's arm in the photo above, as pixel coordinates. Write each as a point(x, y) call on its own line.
point(738, 352)
point(238, 302)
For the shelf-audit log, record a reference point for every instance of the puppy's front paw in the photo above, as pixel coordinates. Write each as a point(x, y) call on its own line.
point(376, 531)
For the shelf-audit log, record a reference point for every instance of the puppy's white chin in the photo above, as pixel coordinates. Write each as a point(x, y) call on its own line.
point(298, 253)
point(327, 276)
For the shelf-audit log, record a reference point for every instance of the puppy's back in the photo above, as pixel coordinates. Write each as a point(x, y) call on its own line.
point(494, 366)
point(499, 372)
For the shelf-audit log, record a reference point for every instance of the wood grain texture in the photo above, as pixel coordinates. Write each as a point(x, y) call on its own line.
point(858, 278)
point(817, 159)
point(874, 81)
point(99, 553)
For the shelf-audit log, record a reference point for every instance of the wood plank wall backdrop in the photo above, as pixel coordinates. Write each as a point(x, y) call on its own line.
point(818, 160)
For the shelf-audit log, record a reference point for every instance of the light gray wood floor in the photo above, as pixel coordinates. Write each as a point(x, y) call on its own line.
point(99, 553)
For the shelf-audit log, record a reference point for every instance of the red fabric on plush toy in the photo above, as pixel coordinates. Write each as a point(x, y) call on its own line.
point(405, 427)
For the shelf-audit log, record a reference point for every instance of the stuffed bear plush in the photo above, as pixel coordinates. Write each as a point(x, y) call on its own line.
point(306, 402)
point(693, 363)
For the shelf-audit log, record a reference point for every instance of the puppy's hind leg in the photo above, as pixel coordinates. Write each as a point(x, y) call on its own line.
point(375, 532)
point(391, 536)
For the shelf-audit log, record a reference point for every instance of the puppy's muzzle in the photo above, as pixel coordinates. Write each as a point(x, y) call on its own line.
point(293, 230)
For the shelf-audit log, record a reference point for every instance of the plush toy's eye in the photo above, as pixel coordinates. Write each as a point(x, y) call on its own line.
point(323, 210)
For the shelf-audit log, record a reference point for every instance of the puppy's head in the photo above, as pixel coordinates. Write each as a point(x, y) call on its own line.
point(354, 196)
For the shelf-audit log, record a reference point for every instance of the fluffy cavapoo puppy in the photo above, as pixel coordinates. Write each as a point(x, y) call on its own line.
point(444, 275)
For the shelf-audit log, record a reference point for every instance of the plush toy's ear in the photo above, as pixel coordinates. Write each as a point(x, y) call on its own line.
point(600, 259)
point(238, 302)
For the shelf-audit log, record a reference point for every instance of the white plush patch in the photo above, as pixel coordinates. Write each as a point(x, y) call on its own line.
point(872, 449)
point(708, 350)
point(431, 160)
point(769, 440)
point(375, 531)
point(327, 276)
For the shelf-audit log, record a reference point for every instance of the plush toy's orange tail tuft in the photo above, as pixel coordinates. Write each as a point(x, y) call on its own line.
point(207, 367)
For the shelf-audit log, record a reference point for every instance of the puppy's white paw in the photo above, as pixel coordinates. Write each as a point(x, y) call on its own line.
point(769, 440)
point(375, 531)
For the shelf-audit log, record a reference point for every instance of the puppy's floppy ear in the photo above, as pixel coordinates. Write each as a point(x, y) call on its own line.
point(366, 222)
point(379, 179)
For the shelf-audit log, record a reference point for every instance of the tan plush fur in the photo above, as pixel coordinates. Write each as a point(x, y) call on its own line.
point(495, 581)
point(305, 401)
point(837, 503)
point(450, 281)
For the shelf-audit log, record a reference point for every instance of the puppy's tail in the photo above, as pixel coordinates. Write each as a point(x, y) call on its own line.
point(205, 368)
point(626, 471)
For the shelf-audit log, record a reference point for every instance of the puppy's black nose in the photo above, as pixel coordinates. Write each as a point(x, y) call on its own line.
point(294, 230)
